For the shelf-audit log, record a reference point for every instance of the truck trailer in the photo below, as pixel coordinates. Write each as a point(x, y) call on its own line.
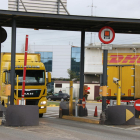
point(129, 75)
point(35, 84)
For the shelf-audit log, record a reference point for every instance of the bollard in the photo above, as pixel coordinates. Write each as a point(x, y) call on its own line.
point(95, 113)
point(111, 102)
point(76, 107)
point(71, 98)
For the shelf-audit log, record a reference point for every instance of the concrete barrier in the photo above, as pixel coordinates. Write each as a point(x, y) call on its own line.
point(22, 115)
point(120, 115)
point(64, 109)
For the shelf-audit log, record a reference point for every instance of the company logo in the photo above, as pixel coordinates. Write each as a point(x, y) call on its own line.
point(123, 58)
point(29, 93)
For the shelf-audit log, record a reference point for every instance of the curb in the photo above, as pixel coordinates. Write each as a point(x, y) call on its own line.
point(90, 101)
point(52, 105)
point(0, 121)
point(80, 119)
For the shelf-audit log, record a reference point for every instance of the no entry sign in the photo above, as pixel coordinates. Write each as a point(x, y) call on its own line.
point(106, 35)
point(137, 104)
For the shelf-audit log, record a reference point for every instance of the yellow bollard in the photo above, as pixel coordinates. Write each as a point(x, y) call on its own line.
point(119, 93)
point(71, 99)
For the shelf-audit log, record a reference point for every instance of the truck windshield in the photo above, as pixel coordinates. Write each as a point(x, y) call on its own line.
point(33, 77)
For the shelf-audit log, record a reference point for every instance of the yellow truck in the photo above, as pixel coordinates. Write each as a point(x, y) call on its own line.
point(126, 68)
point(35, 84)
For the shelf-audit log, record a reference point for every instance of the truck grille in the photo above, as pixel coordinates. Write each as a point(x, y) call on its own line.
point(29, 92)
point(32, 102)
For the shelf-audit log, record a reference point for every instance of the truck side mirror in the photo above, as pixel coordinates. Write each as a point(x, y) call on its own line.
point(49, 77)
point(3, 77)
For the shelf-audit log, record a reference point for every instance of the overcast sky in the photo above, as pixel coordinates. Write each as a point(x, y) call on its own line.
point(104, 8)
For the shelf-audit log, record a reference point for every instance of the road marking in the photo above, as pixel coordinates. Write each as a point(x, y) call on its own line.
point(98, 110)
point(49, 112)
point(50, 115)
point(90, 114)
point(133, 128)
point(115, 127)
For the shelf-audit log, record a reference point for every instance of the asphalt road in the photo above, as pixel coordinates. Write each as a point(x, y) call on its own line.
point(60, 129)
point(53, 128)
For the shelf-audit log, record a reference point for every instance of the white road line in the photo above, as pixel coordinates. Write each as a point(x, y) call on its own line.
point(50, 115)
point(49, 112)
point(98, 110)
point(133, 128)
point(115, 127)
point(90, 114)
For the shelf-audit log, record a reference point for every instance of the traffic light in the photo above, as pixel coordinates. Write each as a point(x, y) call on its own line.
point(86, 90)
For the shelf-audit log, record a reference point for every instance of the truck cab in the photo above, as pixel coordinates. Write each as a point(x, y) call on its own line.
point(35, 83)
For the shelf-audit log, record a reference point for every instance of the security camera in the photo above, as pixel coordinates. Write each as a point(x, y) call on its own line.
point(115, 80)
point(134, 49)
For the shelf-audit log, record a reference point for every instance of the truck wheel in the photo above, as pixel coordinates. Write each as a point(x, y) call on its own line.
point(49, 99)
point(40, 115)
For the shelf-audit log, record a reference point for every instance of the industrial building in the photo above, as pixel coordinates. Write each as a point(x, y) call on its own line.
point(57, 59)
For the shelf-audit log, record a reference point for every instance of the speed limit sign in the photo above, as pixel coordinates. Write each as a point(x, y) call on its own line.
point(106, 35)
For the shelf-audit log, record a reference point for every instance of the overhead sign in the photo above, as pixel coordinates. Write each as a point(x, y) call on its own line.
point(38, 6)
point(106, 46)
point(106, 35)
point(137, 104)
point(3, 34)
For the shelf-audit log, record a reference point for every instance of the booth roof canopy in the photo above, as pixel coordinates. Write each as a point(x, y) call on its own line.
point(68, 22)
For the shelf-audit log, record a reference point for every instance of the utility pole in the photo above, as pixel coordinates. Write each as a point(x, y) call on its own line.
point(92, 6)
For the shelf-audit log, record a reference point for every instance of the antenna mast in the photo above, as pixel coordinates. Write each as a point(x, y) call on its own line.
point(92, 6)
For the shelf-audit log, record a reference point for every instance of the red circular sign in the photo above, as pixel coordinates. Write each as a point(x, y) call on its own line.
point(106, 35)
point(137, 104)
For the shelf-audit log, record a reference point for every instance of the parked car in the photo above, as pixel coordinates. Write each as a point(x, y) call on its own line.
point(59, 96)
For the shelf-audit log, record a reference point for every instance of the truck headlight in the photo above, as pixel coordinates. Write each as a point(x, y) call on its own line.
point(43, 102)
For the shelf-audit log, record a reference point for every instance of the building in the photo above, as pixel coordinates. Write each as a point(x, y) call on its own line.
point(123, 54)
point(58, 59)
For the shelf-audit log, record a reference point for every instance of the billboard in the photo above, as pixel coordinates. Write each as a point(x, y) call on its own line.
point(38, 6)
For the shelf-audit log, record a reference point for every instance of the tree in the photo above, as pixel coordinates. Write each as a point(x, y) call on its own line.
point(72, 74)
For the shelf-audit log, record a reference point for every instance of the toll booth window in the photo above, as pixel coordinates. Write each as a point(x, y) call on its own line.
point(7, 77)
point(33, 77)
